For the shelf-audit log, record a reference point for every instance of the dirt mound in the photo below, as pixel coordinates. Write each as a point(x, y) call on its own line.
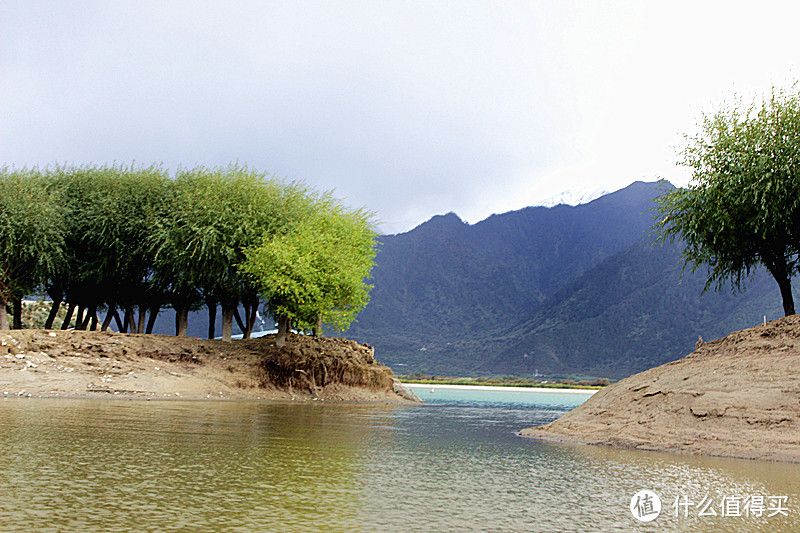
point(92, 363)
point(738, 397)
point(306, 362)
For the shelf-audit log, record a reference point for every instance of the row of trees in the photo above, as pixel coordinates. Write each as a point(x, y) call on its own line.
point(129, 241)
point(742, 208)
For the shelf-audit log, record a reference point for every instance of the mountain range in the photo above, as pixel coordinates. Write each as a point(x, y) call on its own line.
point(562, 291)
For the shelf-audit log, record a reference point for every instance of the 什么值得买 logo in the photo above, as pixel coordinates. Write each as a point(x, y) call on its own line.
point(645, 506)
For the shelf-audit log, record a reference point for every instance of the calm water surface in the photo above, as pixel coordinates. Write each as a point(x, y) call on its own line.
point(453, 465)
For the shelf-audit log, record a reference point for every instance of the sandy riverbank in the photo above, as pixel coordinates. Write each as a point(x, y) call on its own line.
point(91, 364)
point(737, 397)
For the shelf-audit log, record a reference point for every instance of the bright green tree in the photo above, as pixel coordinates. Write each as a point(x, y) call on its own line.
point(315, 272)
point(31, 237)
point(742, 207)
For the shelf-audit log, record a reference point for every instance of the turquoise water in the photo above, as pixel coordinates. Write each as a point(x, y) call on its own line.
point(518, 397)
point(454, 464)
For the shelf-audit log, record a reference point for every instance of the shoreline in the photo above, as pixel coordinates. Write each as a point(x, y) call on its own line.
point(376, 400)
point(108, 365)
point(737, 396)
point(492, 387)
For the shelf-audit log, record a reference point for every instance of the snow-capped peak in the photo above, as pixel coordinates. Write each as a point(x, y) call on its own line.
point(574, 197)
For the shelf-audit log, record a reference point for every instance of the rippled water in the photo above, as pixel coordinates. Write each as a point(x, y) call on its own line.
point(455, 465)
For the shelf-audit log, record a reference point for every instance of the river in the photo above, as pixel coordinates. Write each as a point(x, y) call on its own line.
point(454, 464)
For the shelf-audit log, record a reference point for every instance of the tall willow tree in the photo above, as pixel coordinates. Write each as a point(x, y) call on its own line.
point(110, 215)
point(315, 272)
point(31, 237)
point(215, 215)
point(742, 208)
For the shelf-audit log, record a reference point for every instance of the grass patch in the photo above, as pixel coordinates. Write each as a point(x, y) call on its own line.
point(507, 382)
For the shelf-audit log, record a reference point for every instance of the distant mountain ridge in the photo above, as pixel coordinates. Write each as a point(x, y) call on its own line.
point(562, 290)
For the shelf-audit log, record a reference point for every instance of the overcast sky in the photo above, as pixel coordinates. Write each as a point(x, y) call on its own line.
point(408, 108)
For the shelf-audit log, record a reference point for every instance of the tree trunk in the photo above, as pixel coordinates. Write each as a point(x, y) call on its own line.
point(94, 321)
point(17, 304)
point(142, 319)
point(250, 305)
point(181, 321)
point(239, 322)
point(317, 329)
point(782, 275)
point(251, 320)
point(87, 318)
point(57, 295)
point(130, 319)
point(120, 325)
point(228, 310)
point(3, 313)
point(151, 322)
point(212, 317)
point(68, 318)
point(109, 317)
point(126, 320)
point(53, 314)
point(79, 318)
point(785, 286)
point(284, 325)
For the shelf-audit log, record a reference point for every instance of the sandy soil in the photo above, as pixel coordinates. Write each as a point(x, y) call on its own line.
point(86, 364)
point(738, 397)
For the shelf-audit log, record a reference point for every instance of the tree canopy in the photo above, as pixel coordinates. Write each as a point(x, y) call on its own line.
point(314, 273)
point(742, 207)
point(31, 236)
point(114, 238)
point(215, 214)
point(109, 216)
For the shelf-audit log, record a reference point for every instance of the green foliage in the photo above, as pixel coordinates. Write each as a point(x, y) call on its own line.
point(743, 206)
point(508, 381)
point(35, 314)
point(316, 270)
point(213, 215)
point(110, 215)
point(126, 237)
point(31, 232)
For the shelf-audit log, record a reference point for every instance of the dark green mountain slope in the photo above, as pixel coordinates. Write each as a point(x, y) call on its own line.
point(630, 313)
point(446, 279)
point(562, 291)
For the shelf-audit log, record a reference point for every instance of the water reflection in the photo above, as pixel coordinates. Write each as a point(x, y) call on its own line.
point(693, 479)
point(205, 466)
point(109, 466)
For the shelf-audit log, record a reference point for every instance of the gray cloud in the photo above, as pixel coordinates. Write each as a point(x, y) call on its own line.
point(408, 108)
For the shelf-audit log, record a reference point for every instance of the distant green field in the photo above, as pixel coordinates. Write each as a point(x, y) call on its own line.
point(506, 382)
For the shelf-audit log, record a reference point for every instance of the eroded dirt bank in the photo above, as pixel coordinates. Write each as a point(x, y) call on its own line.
point(41, 363)
point(737, 397)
